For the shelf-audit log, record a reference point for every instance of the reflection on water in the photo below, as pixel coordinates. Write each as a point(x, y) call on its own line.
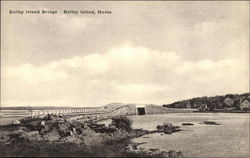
point(229, 139)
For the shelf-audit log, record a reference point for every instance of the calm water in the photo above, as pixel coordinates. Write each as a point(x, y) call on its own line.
point(8, 116)
point(230, 139)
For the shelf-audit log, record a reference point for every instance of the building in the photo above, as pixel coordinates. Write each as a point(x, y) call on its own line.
point(203, 107)
point(245, 105)
point(188, 105)
point(140, 109)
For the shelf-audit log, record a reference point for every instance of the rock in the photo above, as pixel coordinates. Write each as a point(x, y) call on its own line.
point(42, 123)
point(168, 131)
point(167, 128)
point(154, 151)
point(180, 155)
point(88, 132)
point(33, 125)
point(17, 132)
point(24, 129)
point(159, 128)
point(33, 135)
point(129, 148)
point(72, 139)
point(4, 136)
point(52, 135)
point(164, 154)
point(187, 124)
point(17, 122)
point(210, 123)
point(74, 131)
point(64, 128)
point(134, 146)
point(172, 154)
point(47, 117)
point(45, 129)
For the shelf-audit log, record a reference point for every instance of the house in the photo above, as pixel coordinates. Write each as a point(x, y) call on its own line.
point(188, 105)
point(245, 105)
point(203, 107)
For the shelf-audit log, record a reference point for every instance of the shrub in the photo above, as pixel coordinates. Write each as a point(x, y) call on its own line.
point(122, 122)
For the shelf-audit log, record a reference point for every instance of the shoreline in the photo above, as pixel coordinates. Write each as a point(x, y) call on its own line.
point(37, 137)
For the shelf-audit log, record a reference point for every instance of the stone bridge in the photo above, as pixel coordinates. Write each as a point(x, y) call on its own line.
point(108, 111)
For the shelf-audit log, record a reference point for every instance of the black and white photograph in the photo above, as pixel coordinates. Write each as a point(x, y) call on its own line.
point(125, 79)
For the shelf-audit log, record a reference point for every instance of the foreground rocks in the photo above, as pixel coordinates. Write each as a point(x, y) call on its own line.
point(59, 130)
point(154, 152)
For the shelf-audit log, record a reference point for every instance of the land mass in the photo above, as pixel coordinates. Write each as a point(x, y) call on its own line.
point(223, 103)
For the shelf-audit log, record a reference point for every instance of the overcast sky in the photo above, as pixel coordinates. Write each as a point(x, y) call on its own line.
point(144, 52)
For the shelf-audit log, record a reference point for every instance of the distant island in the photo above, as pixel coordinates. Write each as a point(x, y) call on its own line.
point(224, 103)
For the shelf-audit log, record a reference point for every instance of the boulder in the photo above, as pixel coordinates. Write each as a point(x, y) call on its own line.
point(33, 125)
point(160, 128)
point(17, 122)
point(4, 136)
point(130, 148)
point(167, 128)
point(72, 139)
point(45, 129)
point(180, 155)
point(52, 135)
point(172, 154)
point(33, 135)
point(154, 151)
point(17, 132)
point(64, 128)
point(42, 123)
point(164, 154)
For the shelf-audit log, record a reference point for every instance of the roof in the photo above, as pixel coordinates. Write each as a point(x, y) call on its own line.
point(248, 99)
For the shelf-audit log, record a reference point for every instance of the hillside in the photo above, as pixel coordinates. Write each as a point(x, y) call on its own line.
point(229, 101)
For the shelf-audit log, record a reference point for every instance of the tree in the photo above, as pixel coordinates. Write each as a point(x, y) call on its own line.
point(122, 122)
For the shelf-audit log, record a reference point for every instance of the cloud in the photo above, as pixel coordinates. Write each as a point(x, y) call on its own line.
point(126, 73)
point(33, 75)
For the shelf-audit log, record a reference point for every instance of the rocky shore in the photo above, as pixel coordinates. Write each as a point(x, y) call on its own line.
point(72, 138)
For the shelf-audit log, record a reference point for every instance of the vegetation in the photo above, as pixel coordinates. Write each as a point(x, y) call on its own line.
point(213, 103)
point(122, 122)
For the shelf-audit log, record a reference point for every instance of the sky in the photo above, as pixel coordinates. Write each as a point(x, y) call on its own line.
point(144, 52)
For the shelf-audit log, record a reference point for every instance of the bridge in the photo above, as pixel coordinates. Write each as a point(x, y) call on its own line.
point(108, 111)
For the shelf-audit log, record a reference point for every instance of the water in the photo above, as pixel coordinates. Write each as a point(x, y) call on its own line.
point(8, 116)
point(229, 139)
